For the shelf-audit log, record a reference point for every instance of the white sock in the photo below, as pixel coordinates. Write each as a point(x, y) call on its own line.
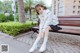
point(35, 44)
point(43, 47)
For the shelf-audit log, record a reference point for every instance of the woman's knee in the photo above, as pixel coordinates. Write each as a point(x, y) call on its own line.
point(42, 33)
point(48, 28)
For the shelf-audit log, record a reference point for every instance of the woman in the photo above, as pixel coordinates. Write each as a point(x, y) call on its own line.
point(48, 21)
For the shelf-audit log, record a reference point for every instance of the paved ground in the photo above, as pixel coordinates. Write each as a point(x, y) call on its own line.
point(57, 43)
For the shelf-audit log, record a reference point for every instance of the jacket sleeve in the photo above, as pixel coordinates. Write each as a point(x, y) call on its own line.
point(40, 24)
point(49, 19)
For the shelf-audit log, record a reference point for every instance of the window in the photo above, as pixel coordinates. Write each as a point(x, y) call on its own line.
point(74, 6)
point(79, 1)
point(73, 11)
point(58, 0)
point(54, 1)
point(78, 12)
point(74, 1)
point(78, 7)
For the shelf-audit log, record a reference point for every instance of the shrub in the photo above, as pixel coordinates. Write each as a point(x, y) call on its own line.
point(15, 28)
point(10, 17)
point(17, 17)
point(3, 18)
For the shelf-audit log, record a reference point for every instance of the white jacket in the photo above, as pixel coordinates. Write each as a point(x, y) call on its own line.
point(47, 18)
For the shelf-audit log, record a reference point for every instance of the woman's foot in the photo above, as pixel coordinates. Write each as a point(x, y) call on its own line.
point(43, 48)
point(34, 47)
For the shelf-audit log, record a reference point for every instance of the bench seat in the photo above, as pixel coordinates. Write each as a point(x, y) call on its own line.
point(65, 29)
point(69, 25)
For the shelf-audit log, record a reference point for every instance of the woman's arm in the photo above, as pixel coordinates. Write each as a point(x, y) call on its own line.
point(40, 24)
point(48, 19)
point(51, 19)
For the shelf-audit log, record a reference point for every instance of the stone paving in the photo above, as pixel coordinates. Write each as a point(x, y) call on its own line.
point(57, 43)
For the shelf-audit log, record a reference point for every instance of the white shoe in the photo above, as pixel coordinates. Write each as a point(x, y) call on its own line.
point(43, 48)
point(34, 47)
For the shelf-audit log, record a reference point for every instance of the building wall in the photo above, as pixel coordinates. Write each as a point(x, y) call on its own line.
point(66, 7)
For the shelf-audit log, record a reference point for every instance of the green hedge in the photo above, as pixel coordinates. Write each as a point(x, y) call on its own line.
point(10, 17)
point(15, 28)
point(3, 18)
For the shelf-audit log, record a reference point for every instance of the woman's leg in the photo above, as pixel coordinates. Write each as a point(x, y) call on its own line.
point(38, 38)
point(36, 42)
point(43, 47)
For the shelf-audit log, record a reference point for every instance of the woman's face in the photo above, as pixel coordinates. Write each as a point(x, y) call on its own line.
point(39, 9)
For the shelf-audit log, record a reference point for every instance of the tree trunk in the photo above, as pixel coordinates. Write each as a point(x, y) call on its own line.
point(30, 13)
point(21, 11)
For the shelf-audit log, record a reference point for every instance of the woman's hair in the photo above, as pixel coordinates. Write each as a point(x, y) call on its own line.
point(39, 5)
